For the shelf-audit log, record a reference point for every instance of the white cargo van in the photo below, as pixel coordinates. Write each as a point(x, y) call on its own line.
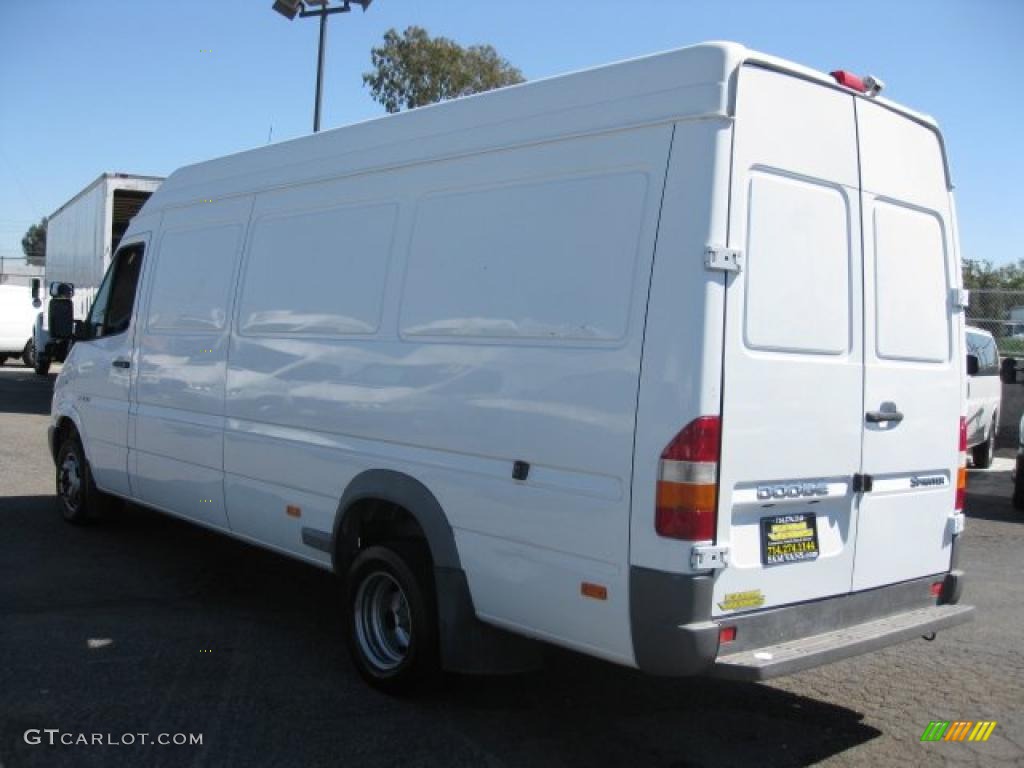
point(984, 396)
point(661, 362)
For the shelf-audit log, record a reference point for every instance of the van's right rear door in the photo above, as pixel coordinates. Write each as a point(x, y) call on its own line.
point(792, 399)
point(913, 354)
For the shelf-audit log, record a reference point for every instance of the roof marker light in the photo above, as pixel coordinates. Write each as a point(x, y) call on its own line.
point(869, 85)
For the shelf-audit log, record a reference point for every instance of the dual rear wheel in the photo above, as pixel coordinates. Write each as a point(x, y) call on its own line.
point(391, 616)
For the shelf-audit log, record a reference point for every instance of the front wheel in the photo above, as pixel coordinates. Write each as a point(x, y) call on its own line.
point(983, 453)
point(41, 364)
point(391, 617)
point(80, 499)
point(28, 354)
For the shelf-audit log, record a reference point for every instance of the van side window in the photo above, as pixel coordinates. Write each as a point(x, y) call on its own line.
point(111, 312)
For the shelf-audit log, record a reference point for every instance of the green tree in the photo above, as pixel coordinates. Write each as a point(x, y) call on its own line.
point(983, 276)
point(413, 69)
point(33, 244)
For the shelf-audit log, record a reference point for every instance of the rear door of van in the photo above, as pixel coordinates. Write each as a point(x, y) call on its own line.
point(913, 356)
point(842, 308)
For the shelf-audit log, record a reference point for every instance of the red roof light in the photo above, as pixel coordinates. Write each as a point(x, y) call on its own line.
point(850, 80)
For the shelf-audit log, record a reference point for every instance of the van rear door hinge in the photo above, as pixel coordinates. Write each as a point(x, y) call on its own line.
point(863, 483)
point(705, 556)
point(961, 298)
point(723, 259)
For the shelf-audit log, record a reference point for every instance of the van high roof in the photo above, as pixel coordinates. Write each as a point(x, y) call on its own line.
point(686, 83)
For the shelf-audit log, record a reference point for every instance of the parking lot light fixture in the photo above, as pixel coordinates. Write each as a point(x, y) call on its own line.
point(322, 9)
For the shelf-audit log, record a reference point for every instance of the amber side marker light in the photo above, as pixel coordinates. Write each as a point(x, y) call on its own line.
point(595, 591)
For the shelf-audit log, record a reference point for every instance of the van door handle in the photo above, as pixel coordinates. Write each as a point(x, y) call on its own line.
point(121, 363)
point(877, 417)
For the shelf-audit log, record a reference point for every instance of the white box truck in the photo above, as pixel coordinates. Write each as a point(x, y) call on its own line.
point(81, 236)
point(662, 362)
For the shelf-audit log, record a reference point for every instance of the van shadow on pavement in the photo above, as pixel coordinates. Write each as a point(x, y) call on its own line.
point(23, 391)
point(193, 632)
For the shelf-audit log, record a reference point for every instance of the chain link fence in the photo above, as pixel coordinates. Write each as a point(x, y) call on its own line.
point(1001, 313)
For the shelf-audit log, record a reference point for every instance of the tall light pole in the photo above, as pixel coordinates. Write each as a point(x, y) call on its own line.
point(322, 8)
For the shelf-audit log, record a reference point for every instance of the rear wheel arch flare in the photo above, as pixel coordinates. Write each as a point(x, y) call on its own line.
point(382, 489)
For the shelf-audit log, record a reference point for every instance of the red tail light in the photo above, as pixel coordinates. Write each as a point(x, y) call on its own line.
point(961, 472)
point(687, 499)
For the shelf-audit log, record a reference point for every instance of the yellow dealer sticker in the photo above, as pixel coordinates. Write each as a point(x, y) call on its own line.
point(735, 601)
point(789, 538)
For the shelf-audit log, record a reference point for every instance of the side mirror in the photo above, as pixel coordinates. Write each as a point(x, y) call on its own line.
point(62, 290)
point(972, 365)
point(61, 318)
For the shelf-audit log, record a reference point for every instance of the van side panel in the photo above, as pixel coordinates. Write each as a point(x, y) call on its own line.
point(182, 344)
point(682, 365)
point(510, 328)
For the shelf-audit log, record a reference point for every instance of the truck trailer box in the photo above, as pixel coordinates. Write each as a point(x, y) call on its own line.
point(81, 236)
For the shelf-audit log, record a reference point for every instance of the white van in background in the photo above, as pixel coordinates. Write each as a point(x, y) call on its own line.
point(17, 316)
point(622, 361)
point(984, 396)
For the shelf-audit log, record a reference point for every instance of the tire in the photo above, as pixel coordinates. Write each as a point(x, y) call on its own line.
point(3, 359)
point(983, 453)
point(79, 498)
point(28, 354)
point(391, 624)
point(41, 364)
point(1018, 486)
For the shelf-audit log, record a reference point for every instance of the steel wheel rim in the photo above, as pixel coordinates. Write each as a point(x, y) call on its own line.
point(383, 621)
point(69, 480)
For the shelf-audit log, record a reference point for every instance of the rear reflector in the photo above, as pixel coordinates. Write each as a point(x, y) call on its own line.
point(726, 634)
point(849, 80)
point(961, 473)
point(936, 588)
point(688, 482)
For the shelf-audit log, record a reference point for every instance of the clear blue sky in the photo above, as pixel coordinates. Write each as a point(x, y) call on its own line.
point(94, 85)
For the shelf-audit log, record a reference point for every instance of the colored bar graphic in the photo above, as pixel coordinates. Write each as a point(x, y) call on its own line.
point(958, 730)
point(982, 731)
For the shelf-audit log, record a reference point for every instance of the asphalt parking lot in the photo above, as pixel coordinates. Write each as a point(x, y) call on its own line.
point(144, 624)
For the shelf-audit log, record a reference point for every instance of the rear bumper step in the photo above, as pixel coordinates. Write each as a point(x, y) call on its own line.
point(794, 655)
